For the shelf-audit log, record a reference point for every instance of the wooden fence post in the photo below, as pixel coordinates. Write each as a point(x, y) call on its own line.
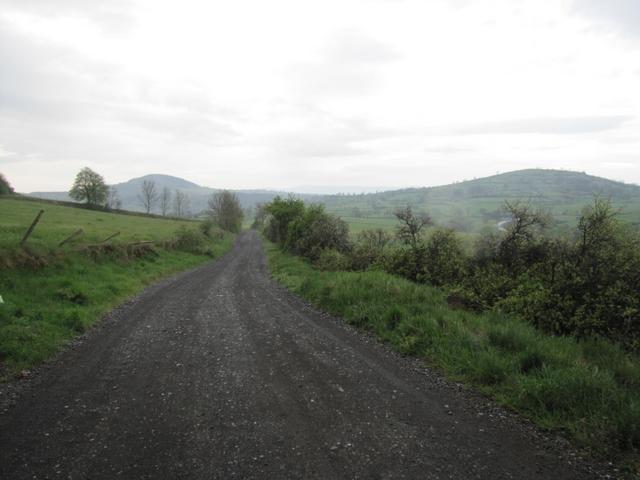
point(30, 230)
point(110, 237)
point(70, 237)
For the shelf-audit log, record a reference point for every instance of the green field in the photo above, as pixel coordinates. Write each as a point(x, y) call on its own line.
point(52, 294)
point(58, 222)
point(589, 390)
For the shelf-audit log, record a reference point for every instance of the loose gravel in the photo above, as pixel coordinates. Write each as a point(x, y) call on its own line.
point(222, 373)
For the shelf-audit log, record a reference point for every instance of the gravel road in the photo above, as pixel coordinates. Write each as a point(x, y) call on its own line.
point(220, 373)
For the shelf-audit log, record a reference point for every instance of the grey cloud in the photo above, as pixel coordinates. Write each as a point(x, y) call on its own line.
point(323, 135)
point(620, 140)
point(346, 67)
point(314, 145)
point(34, 78)
point(180, 125)
point(622, 16)
point(551, 125)
point(112, 15)
point(185, 101)
point(321, 79)
point(351, 47)
point(448, 149)
point(60, 104)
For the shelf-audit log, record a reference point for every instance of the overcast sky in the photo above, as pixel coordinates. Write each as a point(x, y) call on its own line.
point(278, 94)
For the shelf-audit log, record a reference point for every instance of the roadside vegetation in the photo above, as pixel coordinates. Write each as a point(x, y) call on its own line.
point(53, 292)
point(546, 325)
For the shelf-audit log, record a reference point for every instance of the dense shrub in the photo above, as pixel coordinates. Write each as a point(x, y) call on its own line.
point(306, 231)
point(369, 248)
point(444, 260)
point(583, 286)
point(314, 231)
point(405, 261)
point(280, 213)
point(598, 283)
point(191, 241)
point(206, 227)
point(332, 260)
point(440, 260)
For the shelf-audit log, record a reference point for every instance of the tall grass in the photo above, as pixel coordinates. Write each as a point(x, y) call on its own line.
point(588, 389)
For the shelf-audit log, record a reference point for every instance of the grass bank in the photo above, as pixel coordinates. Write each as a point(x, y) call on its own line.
point(589, 390)
point(58, 222)
point(49, 301)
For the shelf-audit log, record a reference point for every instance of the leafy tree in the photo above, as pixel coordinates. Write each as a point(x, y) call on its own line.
point(5, 186)
point(225, 211)
point(148, 195)
point(281, 213)
point(90, 187)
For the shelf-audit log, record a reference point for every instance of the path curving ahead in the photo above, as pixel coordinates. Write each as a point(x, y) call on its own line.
point(220, 373)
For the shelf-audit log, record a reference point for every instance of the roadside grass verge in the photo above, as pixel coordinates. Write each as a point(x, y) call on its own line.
point(57, 293)
point(589, 390)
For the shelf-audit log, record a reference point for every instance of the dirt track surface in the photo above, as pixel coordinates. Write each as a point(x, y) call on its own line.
point(220, 373)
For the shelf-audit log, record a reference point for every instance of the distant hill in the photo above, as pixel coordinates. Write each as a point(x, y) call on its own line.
point(474, 204)
point(198, 195)
point(129, 191)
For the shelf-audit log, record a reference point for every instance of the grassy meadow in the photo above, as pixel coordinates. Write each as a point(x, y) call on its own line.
point(589, 390)
point(58, 222)
point(51, 294)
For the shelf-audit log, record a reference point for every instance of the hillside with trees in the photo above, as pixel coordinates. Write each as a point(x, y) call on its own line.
point(471, 205)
